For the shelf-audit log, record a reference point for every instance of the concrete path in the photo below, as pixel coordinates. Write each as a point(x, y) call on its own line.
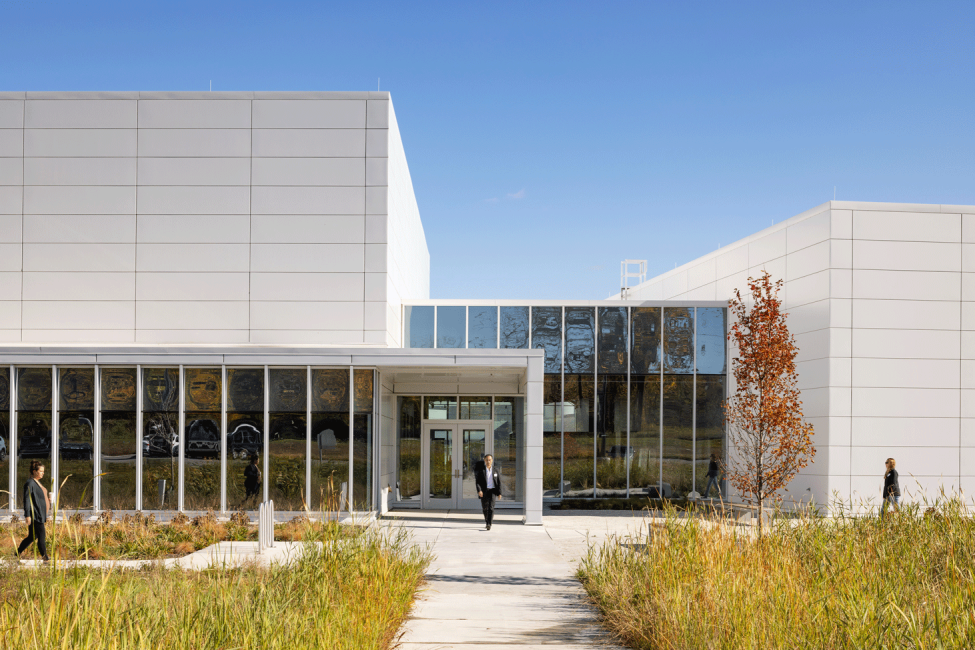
point(509, 587)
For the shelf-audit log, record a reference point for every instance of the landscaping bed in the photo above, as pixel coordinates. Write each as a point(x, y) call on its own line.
point(906, 581)
point(633, 503)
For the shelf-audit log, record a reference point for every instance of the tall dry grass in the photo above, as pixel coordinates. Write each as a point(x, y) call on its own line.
point(352, 593)
point(907, 581)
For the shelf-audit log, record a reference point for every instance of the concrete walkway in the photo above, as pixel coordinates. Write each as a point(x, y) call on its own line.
point(512, 586)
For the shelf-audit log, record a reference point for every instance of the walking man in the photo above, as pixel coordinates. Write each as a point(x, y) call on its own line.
point(488, 481)
point(713, 477)
point(892, 487)
point(37, 503)
point(252, 481)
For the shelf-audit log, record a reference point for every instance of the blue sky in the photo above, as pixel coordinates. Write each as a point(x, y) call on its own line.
point(548, 141)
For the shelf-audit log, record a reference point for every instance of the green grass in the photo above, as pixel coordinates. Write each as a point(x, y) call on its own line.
point(353, 594)
point(904, 582)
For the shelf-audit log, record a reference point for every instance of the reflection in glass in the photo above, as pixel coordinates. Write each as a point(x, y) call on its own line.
point(644, 434)
point(475, 408)
point(119, 438)
point(201, 449)
point(245, 438)
point(709, 437)
point(612, 340)
point(5, 441)
point(552, 436)
point(287, 397)
point(418, 327)
point(580, 340)
point(711, 332)
point(472, 452)
point(509, 424)
point(547, 335)
point(612, 450)
point(451, 327)
point(362, 447)
point(329, 437)
point(679, 340)
point(440, 408)
point(645, 340)
point(76, 438)
point(678, 453)
point(34, 391)
point(160, 442)
point(514, 328)
point(408, 442)
point(579, 438)
point(482, 330)
point(441, 463)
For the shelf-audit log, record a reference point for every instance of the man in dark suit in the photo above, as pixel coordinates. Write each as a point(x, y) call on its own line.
point(488, 481)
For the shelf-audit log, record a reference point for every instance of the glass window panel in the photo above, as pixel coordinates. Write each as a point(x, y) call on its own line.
point(509, 425)
point(644, 434)
point(418, 325)
point(245, 439)
point(34, 392)
point(612, 340)
point(441, 463)
point(482, 328)
point(711, 337)
point(645, 340)
point(552, 436)
point(440, 408)
point(580, 340)
point(287, 398)
point(547, 335)
point(5, 441)
point(679, 340)
point(451, 327)
point(612, 450)
point(76, 438)
point(329, 437)
point(578, 441)
point(710, 434)
point(363, 435)
point(475, 408)
point(408, 453)
point(201, 438)
point(160, 442)
point(119, 443)
point(678, 453)
point(514, 328)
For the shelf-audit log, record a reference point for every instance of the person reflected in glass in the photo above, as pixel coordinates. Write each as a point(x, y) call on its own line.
point(252, 481)
point(37, 503)
point(713, 470)
point(488, 482)
point(892, 489)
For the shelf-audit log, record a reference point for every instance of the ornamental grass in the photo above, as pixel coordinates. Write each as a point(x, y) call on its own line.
point(905, 581)
point(352, 592)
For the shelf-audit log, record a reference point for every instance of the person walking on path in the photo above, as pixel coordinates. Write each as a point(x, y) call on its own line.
point(892, 489)
point(713, 477)
point(488, 481)
point(252, 479)
point(37, 503)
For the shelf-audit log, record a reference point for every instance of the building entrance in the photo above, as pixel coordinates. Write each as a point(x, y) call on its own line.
point(449, 455)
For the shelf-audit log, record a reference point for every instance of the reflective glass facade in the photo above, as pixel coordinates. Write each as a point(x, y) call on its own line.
point(171, 438)
point(632, 394)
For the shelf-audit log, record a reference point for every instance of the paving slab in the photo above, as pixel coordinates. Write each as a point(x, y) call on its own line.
point(510, 587)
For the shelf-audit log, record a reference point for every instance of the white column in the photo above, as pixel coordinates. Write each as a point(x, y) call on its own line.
point(534, 405)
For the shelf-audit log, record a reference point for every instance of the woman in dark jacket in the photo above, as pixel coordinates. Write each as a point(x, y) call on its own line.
point(892, 489)
point(37, 503)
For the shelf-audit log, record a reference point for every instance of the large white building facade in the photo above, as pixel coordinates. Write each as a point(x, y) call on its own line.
point(188, 279)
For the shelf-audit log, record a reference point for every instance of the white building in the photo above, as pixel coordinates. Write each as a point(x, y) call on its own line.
point(881, 298)
point(187, 279)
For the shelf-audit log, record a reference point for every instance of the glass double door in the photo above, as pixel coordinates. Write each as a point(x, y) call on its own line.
point(450, 453)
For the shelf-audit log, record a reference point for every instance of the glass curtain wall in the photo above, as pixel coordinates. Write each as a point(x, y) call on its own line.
point(119, 438)
point(678, 401)
point(34, 407)
point(613, 451)
point(509, 423)
point(288, 402)
point(645, 393)
point(329, 437)
point(579, 438)
point(76, 438)
point(160, 441)
point(408, 448)
point(362, 442)
point(5, 439)
point(202, 448)
point(552, 436)
point(245, 439)
point(711, 367)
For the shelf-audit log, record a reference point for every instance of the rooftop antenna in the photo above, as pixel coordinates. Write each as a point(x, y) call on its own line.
point(630, 269)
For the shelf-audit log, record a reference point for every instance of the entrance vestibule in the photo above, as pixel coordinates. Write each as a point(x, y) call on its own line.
point(451, 453)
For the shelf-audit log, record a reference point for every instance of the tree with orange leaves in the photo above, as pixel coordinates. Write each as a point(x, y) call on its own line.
point(769, 438)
